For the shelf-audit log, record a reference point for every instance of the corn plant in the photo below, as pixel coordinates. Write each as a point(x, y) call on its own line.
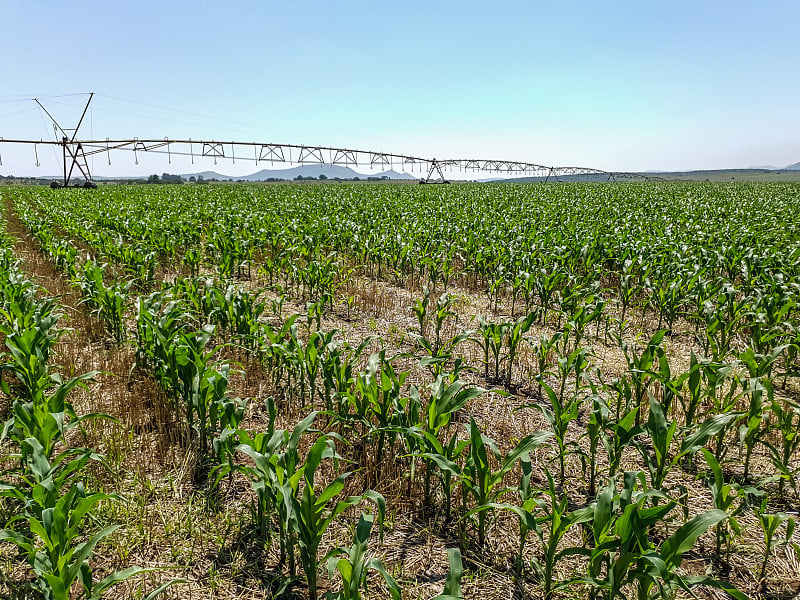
point(563, 408)
point(723, 392)
point(693, 380)
point(352, 565)
point(516, 331)
point(544, 349)
point(48, 417)
point(200, 384)
point(553, 521)
point(139, 263)
point(770, 524)
point(420, 310)
point(641, 363)
point(243, 311)
point(629, 288)
point(588, 311)
point(722, 318)
point(619, 423)
point(29, 349)
point(790, 366)
point(41, 479)
point(730, 498)
point(595, 432)
point(452, 585)
point(186, 370)
point(381, 386)
point(547, 285)
point(481, 481)
point(623, 554)
point(445, 455)
point(64, 256)
point(275, 477)
point(751, 429)
point(337, 370)
point(313, 512)
point(159, 322)
point(423, 433)
point(526, 509)
point(446, 397)
point(491, 339)
point(106, 301)
point(657, 454)
point(57, 555)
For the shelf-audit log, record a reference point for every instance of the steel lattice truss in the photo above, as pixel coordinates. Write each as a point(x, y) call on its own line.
point(75, 153)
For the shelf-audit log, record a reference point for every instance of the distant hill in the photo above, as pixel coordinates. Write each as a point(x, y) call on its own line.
point(794, 167)
point(329, 171)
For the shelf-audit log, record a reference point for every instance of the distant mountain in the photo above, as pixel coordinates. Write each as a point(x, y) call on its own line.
point(764, 168)
point(391, 174)
point(329, 171)
point(794, 167)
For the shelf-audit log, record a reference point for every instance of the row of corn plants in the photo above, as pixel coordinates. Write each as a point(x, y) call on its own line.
point(43, 486)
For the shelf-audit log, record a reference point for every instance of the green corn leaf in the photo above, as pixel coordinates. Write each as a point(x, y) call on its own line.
point(680, 542)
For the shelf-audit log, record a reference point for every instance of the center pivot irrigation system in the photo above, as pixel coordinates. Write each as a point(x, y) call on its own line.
point(432, 170)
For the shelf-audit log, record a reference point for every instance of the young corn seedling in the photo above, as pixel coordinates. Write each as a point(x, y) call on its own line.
point(382, 386)
point(554, 522)
point(420, 310)
point(439, 350)
point(445, 456)
point(51, 536)
point(547, 286)
point(526, 510)
point(641, 367)
point(770, 524)
point(353, 566)
point(337, 371)
point(629, 289)
point(313, 512)
point(108, 302)
point(590, 310)
point(56, 555)
point(423, 432)
point(563, 408)
point(40, 479)
point(599, 419)
point(751, 431)
point(452, 585)
point(275, 477)
point(491, 339)
point(657, 455)
point(723, 319)
point(728, 497)
point(481, 481)
point(544, 350)
point(621, 427)
point(516, 331)
point(47, 418)
point(624, 555)
point(693, 379)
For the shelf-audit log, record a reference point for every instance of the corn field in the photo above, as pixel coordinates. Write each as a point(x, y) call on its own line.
point(368, 391)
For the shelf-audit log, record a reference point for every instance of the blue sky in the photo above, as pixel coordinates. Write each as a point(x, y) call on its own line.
point(613, 85)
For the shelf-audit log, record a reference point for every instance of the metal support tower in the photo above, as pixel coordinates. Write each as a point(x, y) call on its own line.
point(72, 150)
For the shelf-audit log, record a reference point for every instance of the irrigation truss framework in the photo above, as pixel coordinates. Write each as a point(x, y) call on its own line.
point(75, 154)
